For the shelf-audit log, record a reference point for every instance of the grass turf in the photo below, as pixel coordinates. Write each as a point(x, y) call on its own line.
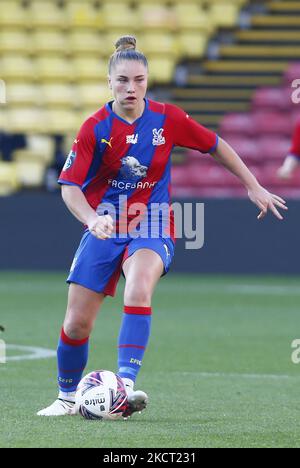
point(218, 369)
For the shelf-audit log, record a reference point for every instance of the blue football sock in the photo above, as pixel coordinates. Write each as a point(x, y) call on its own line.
point(72, 356)
point(133, 340)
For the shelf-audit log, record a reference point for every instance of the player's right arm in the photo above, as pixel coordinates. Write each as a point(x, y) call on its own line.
point(74, 175)
point(100, 226)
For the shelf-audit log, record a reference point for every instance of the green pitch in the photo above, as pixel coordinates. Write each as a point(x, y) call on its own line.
point(218, 369)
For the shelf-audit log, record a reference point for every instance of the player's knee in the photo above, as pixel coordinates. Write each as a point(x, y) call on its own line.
point(137, 294)
point(77, 329)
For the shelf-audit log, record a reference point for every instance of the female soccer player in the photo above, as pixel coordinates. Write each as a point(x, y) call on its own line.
point(293, 158)
point(117, 172)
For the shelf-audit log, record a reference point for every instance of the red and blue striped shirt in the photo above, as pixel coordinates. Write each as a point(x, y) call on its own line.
point(111, 157)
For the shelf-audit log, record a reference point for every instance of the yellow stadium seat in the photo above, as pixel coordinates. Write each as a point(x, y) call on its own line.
point(81, 15)
point(2, 92)
point(54, 68)
point(85, 42)
point(239, 3)
point(80, 2)
point(30, 173)
point(39, 148)
point(149, 2)
point(15, 40)
point(119, 15)
point(46, 14)
point(13, 14)
point(192, 16)
point(60, 121)
point(25, 120)
point(68, 2)
point(58, 95)
point(192, 44)
point(41, 145)
point(158, 43)
point(85, 113)
point(23, 94)
point(202, 3)
point(223, 14)
point(49, 41)
point(157, 17)
point(161, 69)
point(9, 182)
point(17, 68)
point(92, 94)
point(3, 119)
point(89, 69)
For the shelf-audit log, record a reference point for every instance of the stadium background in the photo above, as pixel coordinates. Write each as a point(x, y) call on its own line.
point(230, 65)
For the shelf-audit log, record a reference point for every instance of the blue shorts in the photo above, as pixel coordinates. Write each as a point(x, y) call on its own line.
point(97, 264)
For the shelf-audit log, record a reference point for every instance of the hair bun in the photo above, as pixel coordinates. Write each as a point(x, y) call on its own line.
point(125, 43)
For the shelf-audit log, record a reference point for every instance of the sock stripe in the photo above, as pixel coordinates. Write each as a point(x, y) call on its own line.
point(131, 346)
point(133, 339)
point(137, 310)
point(70, 341)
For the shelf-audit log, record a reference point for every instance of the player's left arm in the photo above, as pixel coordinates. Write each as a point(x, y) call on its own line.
point(293, 158)
point(190, 134)
point(264, 200)
point(288, 167)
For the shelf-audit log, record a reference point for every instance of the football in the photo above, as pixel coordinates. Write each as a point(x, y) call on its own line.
point(101, 394)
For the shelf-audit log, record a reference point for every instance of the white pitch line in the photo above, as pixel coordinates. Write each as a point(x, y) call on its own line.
point(34, 353)
point(43, 353)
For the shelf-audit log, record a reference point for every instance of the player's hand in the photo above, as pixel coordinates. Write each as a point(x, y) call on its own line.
point(267, 201)
point(102, 227)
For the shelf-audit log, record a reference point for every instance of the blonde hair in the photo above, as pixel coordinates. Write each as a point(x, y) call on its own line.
point(126, 50)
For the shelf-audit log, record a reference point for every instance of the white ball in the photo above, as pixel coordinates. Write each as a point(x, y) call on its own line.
point(101, 394)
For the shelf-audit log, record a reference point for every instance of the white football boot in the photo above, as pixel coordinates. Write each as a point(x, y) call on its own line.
point(137, 400)
point(58, 408)
point(61, 406)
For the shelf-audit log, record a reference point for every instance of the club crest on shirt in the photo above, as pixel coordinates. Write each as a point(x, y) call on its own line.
point(69, 161)
point(132, 168)
point(158, 138)
point(132, 139)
